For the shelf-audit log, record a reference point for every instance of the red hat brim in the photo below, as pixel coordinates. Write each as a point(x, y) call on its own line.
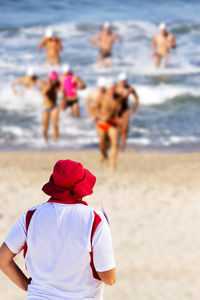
point(80, 190)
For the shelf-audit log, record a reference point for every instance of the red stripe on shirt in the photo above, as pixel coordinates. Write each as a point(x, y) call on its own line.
point(28, 220)
point(97, 220)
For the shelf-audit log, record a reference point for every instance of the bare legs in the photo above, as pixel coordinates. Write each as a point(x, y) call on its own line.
point(102, 143)
point(46, 117)
point(63, 105)
point(75, 108)
point(112, 135)
point(158, 59)
point(54, 119)
point(45, 121)
point(107, 61)
point(99, 61)
point(123, 124)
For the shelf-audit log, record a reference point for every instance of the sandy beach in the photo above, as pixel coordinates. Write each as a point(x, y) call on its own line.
point(153, 202)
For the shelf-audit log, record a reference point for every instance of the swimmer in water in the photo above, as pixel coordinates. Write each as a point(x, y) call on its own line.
point(50, 110)
point(95, 95)
point(124, 90)
point(70, 84)
point(162, 43)
point(27, 81)
point(53, 47)
point(104, 41)
point(106, 111)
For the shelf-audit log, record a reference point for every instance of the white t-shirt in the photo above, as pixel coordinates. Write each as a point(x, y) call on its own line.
point(60, 240)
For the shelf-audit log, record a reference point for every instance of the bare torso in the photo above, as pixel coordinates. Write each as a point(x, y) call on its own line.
point(107, 108)
point(123, 93)
point(163, 43)
point(29, 81)
point(94, 96)
point(106, 41)
point(53, 47)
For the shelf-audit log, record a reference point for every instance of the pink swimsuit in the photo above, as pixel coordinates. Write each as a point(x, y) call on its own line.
point(69, 86)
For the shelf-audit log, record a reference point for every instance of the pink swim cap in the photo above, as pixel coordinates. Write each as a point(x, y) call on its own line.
point(53, 75)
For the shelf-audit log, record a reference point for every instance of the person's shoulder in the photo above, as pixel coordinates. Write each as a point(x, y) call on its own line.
point(34, 207)
point(85, 211)
point(98, 214)
point(96, 93)
point(29, 210)
point(131, 88)
point(170, 35)
point(23, 77)
point(75, 77)
point(156, 36)
point(92, 94)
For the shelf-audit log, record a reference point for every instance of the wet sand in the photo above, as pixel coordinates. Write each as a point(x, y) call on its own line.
point(153, 201)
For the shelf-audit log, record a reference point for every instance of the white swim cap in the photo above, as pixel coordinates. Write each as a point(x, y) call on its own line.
point(101, 82)
point(162, 26)
point(29, 71)
point(66, 68)
point(122, 76)
point(49, 33)
point(106, 25)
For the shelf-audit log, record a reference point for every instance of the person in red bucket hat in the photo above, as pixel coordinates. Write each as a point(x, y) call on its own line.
point(67, 244)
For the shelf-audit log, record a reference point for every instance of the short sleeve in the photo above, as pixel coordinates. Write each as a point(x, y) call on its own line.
point(16, 238)
point(103, 255)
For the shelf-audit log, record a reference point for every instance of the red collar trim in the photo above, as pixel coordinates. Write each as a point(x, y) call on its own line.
point(67, 201)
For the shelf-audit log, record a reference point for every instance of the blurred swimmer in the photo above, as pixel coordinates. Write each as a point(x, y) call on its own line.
point(106, 111)
point(70, 83)
point(27, 81)
point(53, 47)
point(95, 95)
point(162, 43)
point(123, 89)
point(50, 111)
point(104, 41)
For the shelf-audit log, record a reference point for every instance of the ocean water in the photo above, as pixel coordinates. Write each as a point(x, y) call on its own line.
point(168, 116)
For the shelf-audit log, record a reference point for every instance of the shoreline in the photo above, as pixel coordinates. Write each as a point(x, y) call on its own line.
point(136, 148)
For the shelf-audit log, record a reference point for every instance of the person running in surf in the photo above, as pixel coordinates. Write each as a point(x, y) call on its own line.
point(27, 81)
point(124, 90)
point(50, 110)
point(104, 41)
point(162, 43)
point(106, 109)
point(70, 83)
point(53, 47)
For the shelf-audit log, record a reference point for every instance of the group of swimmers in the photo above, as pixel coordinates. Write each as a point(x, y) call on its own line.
point(108, 104)
point(67, 84)
point(162, 43)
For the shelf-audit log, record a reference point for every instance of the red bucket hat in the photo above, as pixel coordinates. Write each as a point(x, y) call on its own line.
point(69, 181)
